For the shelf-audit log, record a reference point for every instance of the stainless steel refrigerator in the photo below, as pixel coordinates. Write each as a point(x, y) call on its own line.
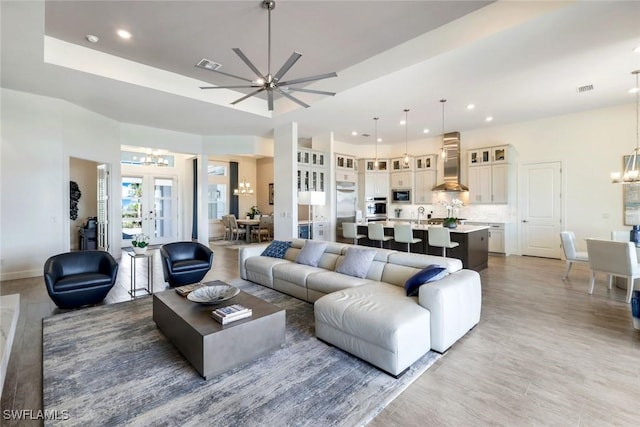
point(345, 207)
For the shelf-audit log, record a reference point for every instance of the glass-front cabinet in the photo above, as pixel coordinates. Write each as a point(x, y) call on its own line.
point(400, 165)
point(370, 165)
point(427, 162)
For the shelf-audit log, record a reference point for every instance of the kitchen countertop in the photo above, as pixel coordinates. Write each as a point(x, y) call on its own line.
point(458, 229)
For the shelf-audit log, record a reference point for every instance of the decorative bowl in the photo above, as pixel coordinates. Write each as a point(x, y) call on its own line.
point(213, 294)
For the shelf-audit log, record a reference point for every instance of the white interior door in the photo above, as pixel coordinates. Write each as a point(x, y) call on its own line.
point(541, 209)
point(149, 206)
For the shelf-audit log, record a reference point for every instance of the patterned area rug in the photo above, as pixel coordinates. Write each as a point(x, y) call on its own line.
point(110, 365)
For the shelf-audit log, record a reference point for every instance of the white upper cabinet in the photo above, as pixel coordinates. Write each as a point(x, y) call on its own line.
point(399, 164)
point(427, 162)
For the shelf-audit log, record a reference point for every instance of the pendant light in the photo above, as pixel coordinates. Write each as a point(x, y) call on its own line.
point(406, 130)
point(631, 172)
point(376, 163)
point(443, 154)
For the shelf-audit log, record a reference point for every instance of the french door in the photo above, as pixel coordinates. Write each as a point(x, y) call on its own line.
point(149, 206)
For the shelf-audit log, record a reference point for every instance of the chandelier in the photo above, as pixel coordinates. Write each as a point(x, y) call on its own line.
point(154, 158)
point(244, 189)
point(631, 172)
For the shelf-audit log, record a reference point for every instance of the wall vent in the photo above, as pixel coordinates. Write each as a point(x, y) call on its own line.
point(208, 64)
point(585, 88)
point(365, 134)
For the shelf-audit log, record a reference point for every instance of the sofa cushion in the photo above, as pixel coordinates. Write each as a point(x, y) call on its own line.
point(311, 253)
point(276, 249)
point(356, 262)
point(330, 281)
point(429, 274)
point(294, 273)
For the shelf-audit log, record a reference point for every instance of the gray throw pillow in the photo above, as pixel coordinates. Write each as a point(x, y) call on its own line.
point(311, 253)
point(356, 262)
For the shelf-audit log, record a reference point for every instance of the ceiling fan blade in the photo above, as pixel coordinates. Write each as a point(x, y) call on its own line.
point(308, 79)
point(229, 87)
point(226, 74)
point(247, 96)
point(249, 63)
point(294, 99)
point(319, 92)
point(270, 99)
point(287, 65)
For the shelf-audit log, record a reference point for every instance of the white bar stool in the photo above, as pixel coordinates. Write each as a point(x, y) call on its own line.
point(376, 232)
point(441, 237)
point(403, 233)
point(350, 231)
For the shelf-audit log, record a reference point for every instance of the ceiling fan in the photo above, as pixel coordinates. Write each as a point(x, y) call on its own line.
point(268, 82)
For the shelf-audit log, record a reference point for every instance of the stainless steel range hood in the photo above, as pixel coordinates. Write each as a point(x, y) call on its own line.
point(451, 164)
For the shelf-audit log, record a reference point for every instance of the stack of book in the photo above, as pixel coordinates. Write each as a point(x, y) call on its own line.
point(231, 313)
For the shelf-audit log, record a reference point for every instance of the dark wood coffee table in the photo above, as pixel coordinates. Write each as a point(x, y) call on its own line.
point(213, 348)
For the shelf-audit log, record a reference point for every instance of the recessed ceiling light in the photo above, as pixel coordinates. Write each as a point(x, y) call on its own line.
point(637, 49)
point(93, 39)
point(489, 119)
point(425, 131)
point(403, 122)
point(354, 133)
point(124, 34)
point(634, 90)
point(471, 107)
point(379, 139)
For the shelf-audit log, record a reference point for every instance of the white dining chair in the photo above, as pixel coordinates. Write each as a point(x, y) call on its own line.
point(568, 239)
point(441, 237)
point(620, 235)
point(403, 233)
point(614, 259)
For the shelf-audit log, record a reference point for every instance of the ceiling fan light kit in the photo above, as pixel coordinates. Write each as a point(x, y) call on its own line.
point(268, 82)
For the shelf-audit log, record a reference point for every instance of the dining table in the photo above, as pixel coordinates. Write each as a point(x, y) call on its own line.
point(248, 224)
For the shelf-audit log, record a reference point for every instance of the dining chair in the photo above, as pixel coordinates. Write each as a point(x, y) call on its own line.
point(227, 227)
point(441, 237)
point(614, 259)
point(350, 231)
point(376, 232)
point(403, 233)
point(620, 235)
point(235, 229)
point(568, 239)
point(263, 228)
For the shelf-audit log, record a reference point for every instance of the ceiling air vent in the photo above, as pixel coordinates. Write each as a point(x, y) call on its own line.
point(366, 135)
point(208, 64)
point(585, 88)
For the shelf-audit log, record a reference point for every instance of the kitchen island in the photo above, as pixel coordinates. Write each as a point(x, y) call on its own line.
point(473, 250)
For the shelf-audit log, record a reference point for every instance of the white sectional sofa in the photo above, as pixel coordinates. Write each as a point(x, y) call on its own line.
point(371, 317)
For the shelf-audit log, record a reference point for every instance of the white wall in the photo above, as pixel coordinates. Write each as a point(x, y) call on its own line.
point(39, 136)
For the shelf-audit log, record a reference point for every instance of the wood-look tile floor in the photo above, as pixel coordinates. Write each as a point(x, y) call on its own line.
point(545, 352)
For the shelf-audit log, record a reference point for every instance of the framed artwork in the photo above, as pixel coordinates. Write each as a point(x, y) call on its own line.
point(271, 193)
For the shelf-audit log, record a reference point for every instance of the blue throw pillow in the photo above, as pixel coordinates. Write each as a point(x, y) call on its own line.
point(276, 249)
point(428, 274)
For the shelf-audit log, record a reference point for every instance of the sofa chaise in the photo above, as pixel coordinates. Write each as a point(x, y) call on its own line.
point(372, 317)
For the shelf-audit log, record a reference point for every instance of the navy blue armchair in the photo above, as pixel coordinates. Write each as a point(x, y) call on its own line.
point(74, 279)
point(185, 262)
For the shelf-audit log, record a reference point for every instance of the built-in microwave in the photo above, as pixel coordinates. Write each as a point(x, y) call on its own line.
point(401, 196)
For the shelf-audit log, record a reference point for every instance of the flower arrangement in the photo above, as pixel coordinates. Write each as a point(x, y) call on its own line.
point(453, 209)
point(254, 212)
point(140, 241)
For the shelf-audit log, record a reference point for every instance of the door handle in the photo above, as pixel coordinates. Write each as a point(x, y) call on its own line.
point(524, 220)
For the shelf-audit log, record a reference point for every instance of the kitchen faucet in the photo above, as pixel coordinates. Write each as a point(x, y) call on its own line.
point(420, 213)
